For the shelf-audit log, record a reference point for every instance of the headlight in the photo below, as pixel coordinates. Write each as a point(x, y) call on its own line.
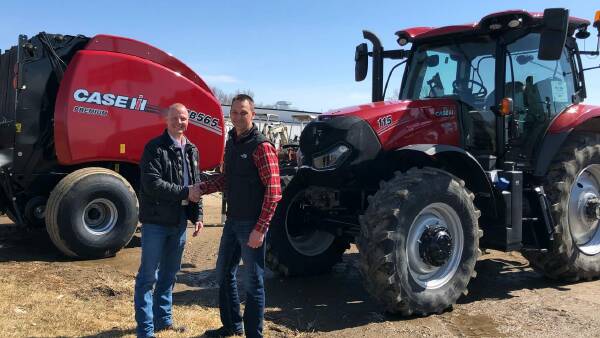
point(333, 157)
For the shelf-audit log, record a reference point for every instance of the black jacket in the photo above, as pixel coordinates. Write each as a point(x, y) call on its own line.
point(162, 189)
point(245, 191)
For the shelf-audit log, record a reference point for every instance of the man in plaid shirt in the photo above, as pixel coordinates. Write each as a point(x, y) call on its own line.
point(251, 183)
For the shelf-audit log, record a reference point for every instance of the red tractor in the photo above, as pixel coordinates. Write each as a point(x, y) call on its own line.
point(75, 114)
point(488, 145)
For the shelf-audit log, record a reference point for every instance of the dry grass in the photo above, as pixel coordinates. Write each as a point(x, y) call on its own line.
point(58, 298)
point(99, 305)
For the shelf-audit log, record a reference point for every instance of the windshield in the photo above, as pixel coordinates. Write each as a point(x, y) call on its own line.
point(540, 90)
point(463, 70)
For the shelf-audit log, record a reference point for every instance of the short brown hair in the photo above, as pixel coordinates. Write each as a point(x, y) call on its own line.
point(243, 97)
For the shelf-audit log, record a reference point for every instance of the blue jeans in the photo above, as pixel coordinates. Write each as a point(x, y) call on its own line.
point(162, 248)
point(234, 245)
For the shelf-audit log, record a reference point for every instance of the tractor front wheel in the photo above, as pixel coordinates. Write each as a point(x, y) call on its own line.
point(419, 242)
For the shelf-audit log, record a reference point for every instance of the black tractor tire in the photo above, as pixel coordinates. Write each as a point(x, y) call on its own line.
point(34, 212)
point(398, 217)
point(283, 253)
point(566, 259)
point(92, 213)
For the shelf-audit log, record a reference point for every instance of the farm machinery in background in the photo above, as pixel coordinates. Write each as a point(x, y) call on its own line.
point(75, 114)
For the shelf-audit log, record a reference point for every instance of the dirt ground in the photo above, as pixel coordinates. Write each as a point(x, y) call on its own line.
point(43, 294)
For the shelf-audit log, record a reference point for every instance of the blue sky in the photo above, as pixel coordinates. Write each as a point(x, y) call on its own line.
point(299, 51)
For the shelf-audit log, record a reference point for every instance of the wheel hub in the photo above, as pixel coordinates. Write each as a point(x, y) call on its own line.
point(435, 246)
point(592, 208)
point(39, 211)
point(584, 210)
point(100, 216)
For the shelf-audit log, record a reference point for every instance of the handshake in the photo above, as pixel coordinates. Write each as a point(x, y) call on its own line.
point(194, 192)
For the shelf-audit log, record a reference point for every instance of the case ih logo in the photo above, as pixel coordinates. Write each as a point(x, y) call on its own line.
point(111, 100)
point(444, 112)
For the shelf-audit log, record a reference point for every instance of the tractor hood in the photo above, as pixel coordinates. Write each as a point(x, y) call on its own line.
point(369, 110)
point(354, 136)
point(400, 123)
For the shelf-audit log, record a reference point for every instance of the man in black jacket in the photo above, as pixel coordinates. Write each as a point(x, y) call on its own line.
point(252, 184)
point(168, 199)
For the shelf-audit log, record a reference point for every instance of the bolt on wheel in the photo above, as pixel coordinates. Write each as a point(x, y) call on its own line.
point(434, 245)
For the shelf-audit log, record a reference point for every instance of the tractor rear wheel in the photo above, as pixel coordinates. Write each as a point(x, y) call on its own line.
point(419, 242)
point(573, 188)
point(295, 246)
point(91, 213)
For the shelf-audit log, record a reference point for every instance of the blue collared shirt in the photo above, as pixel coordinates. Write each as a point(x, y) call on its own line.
point(186, 170)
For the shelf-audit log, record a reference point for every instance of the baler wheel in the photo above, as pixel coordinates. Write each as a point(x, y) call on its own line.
point(92, 213)
point(35, 210)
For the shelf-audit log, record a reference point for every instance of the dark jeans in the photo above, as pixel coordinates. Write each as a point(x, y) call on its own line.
point(234, 245)
point(162, 248)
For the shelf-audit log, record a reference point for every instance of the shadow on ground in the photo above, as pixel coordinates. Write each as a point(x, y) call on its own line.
point(22, 245)
point(115, 332)
point(322, 303)
point(28, 245)
point(338, 300)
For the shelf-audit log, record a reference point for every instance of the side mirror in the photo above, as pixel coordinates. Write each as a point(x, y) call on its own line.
point(433, 60)
point(554, 33)
point(361, 59)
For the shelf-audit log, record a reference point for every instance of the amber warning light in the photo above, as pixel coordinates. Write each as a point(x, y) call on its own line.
point(506, 106)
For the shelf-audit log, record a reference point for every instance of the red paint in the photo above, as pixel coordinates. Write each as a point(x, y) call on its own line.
point(416, 33)
point(132, 47)
point(572, 117)
point(447, 30)
point(82, 138)
point(412, 122)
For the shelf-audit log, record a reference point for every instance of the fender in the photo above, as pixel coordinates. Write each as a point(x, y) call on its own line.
point(458, 162)
point(579, 117)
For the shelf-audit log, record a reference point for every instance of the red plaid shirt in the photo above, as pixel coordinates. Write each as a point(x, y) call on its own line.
point(265, 159)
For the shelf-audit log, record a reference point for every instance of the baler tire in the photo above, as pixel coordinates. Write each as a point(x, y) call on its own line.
point(97, 191)
point(401, 209)
point(29, 213)
point(283, 255)
point(566, 259)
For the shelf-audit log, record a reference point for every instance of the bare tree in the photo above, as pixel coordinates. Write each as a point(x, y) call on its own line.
point(225, 98)
point(393, 95)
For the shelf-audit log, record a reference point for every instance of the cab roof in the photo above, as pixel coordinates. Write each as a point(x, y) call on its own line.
point(502, 18)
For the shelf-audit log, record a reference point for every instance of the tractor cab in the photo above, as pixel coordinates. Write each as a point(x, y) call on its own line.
point(510, 74)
